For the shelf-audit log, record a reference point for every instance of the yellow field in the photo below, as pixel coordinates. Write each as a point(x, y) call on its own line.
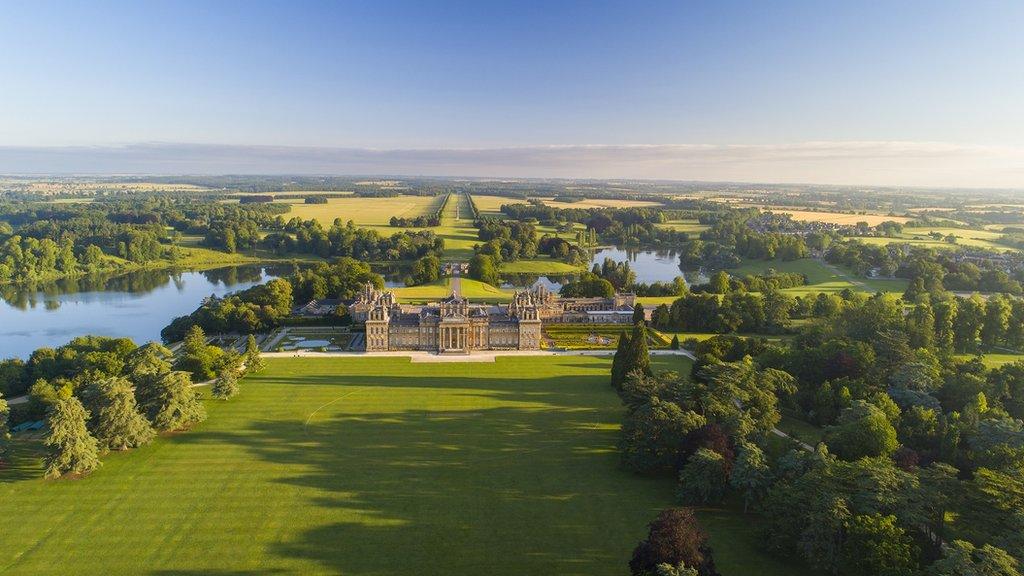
point(491, 205)
point(919, 237)
point(837, 217)
point(365, 212)
point(600, 203)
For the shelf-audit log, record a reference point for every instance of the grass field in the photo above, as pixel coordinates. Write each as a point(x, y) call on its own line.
point(473, 289)
point(691, 226)
point(836, 217)
point(919, 237)
point(600, 203)
point(821, 277)
point(491, 205)
point(994, 360)
point(370, 466)
point(365, 212)
point(539, 266)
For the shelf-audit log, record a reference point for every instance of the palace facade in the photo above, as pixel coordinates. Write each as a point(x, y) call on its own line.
point(454, 325)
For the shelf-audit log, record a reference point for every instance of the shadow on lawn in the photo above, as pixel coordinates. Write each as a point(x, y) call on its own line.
point(532, 488)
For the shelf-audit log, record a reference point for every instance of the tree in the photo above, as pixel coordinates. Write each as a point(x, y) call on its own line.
point(945, 312)
point(862, 430)
point(661, 317)
point(970, 315)
point(619, 360)
point(654, 435)
point(751, 474)
point(921, 326)
point(674, 538)
point(638, 314)
point(996, 321)
point(118, 425)
point(674, 345)
point(226, 385)
point(169, 401)
point(70, 447)
point(719, 282)
point(482, 268)
point(637, 357)
point(704, 478)
point(876, 546)
point(5, 433)
point(253, 361)
point(964, 559)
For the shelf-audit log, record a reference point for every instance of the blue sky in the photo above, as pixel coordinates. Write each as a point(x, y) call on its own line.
point(480, 75)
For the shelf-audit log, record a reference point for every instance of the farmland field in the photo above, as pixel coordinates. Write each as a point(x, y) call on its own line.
point(841, 218)
point(491, 205)
point(365, 212)
point(600, 203)
point(369, 466)
point(920, 237)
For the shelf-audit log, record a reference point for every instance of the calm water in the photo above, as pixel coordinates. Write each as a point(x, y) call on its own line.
point(136, 305)
point(649, 266)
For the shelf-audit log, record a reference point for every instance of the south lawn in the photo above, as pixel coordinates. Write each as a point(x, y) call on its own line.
point(368, 466)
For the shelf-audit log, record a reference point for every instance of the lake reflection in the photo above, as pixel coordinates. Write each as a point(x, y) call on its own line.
point(649, 266)
point(136, 305)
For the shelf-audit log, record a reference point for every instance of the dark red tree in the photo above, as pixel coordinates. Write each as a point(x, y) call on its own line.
point(675, 537)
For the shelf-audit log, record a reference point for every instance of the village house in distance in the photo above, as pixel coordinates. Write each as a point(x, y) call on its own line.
point(456, 326)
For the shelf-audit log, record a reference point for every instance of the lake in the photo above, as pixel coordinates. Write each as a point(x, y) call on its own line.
point(136, 305)
point(649, 266)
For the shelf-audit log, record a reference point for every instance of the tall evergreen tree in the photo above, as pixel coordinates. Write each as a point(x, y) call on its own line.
point(5, 433)
point(169, 401)
point(638, 356)
point(675, 342)
point(619, 360)
point(71, 449)
point(118, 425)
point(226, 385)
point(253, 361)
point(638, 314)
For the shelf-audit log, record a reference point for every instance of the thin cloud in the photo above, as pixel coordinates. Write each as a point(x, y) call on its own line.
point(858, 163)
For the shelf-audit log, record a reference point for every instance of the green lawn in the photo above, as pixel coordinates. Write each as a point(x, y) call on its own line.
point(540, 266)
point(369, 466)
point(965, 237)
point(995, 359)
point(821, 277)
point(475, 290)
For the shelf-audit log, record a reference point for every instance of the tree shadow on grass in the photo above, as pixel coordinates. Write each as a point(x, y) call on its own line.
point(529, 488)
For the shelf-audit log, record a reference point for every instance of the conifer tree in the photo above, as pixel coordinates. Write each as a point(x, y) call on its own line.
point(5, 433)
point(675, 342)
point(638, 356)
point(71, 449)
point(619, 360)
point(118, 423)
point(194, 342)
point(169, 401)
point(253, 361)
point(638, 313)
point(226, 384)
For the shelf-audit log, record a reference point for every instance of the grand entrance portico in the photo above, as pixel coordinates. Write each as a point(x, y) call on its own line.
point(453, 338)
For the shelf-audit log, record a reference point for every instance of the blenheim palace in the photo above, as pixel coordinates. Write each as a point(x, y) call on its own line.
point(455, 326)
